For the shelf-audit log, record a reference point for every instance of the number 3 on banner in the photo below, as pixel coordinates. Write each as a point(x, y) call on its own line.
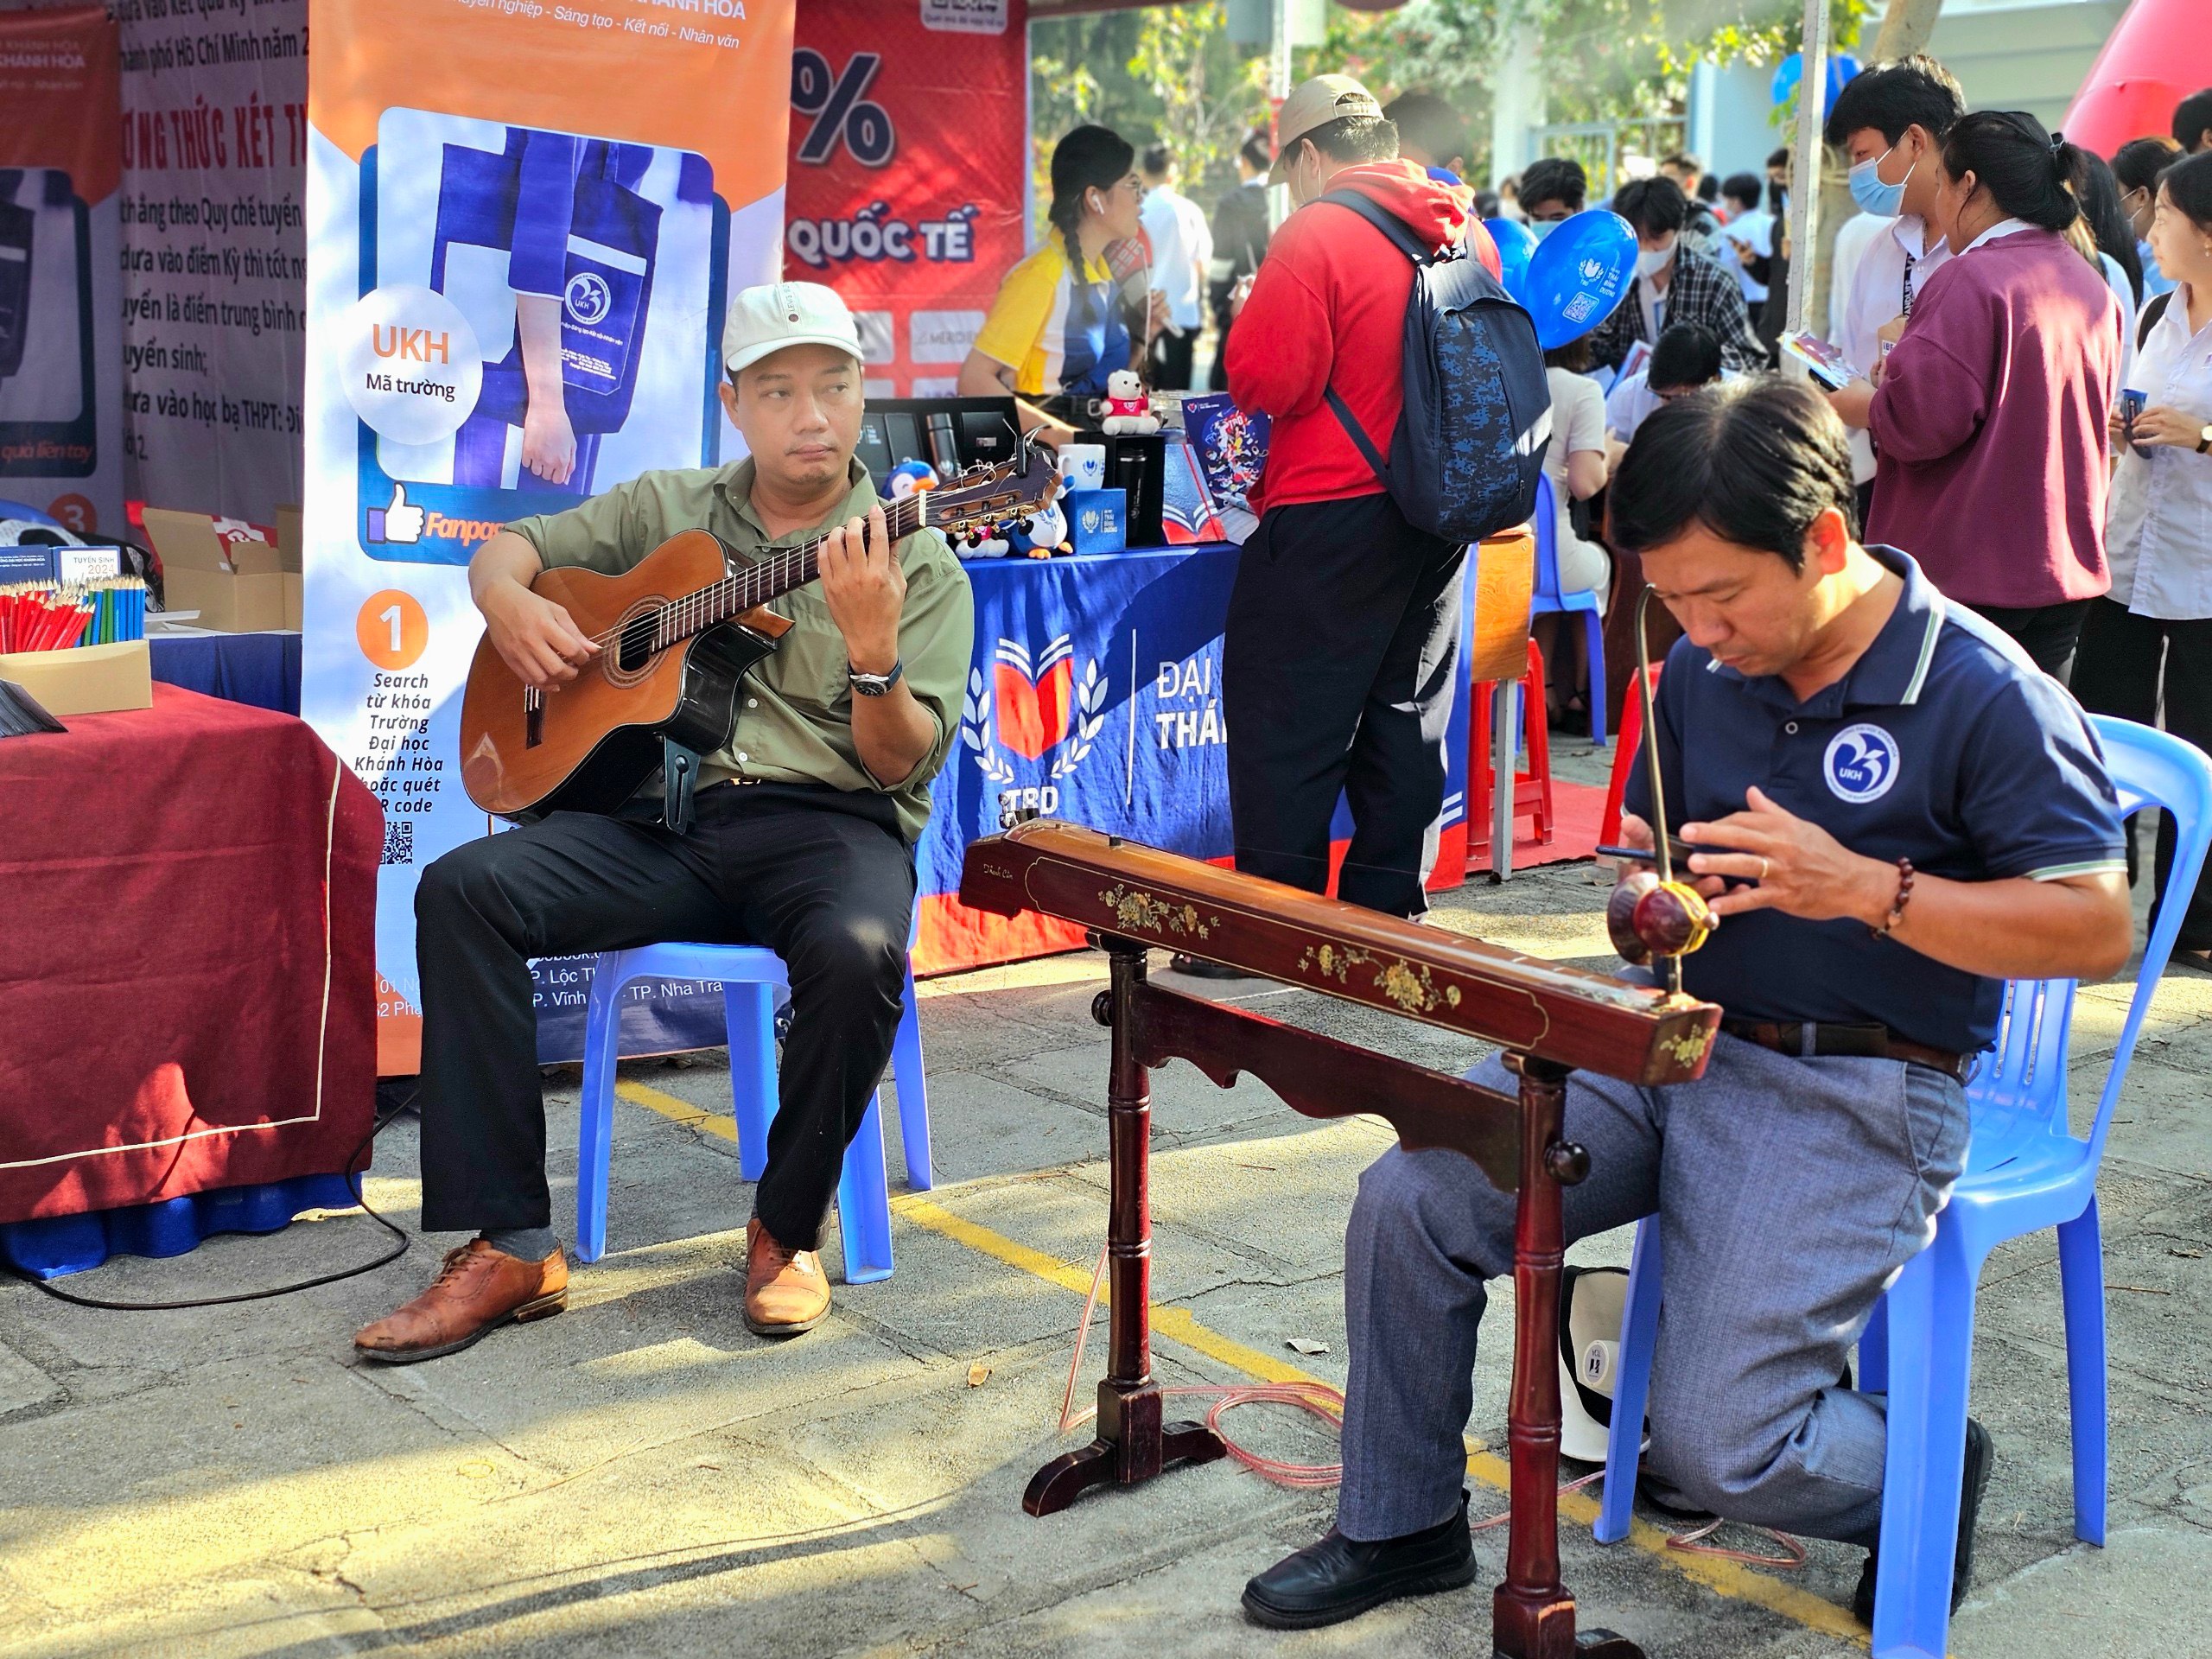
point(392, 629)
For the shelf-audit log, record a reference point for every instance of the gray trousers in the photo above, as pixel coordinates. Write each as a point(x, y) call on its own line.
point(1789, 1192)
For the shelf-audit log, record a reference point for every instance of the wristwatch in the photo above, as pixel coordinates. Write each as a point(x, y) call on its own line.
point(2204, 440)
point(874, 685)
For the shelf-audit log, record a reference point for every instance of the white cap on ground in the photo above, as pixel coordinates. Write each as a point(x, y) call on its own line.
point(775, 315)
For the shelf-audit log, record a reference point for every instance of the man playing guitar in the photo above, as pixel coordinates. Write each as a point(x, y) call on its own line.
point(801, 839)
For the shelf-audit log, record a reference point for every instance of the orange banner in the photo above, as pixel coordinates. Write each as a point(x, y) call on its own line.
point(670, 73)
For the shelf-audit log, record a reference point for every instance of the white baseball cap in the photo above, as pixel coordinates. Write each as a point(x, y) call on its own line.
point(775, 315)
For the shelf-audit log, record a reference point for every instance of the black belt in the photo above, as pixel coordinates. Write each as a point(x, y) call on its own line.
point(1863, 1042)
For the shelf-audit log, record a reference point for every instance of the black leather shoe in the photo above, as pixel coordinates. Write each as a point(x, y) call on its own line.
point(1199, 968)
point(1979, 1453)
point(1337, 1579)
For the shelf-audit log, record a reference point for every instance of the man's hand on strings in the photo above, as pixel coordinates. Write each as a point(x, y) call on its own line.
point(1799, 868)
point(865, 589)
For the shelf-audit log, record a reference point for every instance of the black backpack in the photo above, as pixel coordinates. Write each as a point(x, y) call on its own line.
point(1470, 441)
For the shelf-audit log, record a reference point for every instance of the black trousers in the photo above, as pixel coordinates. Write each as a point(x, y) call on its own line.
point(2124, 662)
point(1171, 359)
point(819, 876)
point(2046, 632)
point(1337, 669)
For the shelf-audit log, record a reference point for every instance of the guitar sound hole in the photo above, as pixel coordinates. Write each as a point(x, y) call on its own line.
point(636, 648)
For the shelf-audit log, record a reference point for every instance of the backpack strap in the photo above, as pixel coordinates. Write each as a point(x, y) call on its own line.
point(1400, 236)
point(2153, 309)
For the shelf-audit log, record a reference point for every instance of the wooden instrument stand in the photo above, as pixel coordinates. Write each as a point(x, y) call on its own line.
point(1551, 1018)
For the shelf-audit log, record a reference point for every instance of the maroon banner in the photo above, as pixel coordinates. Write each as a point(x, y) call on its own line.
point(909, 161)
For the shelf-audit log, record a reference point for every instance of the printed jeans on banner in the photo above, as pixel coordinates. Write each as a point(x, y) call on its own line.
point(1790, 1192)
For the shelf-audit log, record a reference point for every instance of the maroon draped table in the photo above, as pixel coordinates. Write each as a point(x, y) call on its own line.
point(188, 909)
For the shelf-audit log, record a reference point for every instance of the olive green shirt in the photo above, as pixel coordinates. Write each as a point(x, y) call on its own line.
point(795, 710)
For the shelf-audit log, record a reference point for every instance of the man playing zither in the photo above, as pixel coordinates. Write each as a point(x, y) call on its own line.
point(801, 840)
point(1910, 814)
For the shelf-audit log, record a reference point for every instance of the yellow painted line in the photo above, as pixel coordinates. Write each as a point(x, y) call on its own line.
point(720, 1125)
point(1724, 1578)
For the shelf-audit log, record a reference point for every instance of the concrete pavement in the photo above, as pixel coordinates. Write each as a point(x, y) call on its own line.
point(641, 1476)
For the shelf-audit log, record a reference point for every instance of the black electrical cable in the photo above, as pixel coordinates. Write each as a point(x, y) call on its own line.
point(385, 1260)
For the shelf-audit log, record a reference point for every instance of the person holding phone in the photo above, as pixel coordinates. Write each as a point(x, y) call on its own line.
point(2148, 642)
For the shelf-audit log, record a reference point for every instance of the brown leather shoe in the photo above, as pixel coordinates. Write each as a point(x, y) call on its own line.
point(785, 1290)
point(477, 1291)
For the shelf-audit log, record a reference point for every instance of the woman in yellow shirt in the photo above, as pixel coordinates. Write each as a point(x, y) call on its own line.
point(1055, 328)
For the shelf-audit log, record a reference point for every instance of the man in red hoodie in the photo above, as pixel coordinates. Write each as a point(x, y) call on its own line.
point(1344, 627)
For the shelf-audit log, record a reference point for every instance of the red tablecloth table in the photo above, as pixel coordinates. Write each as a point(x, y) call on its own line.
point(187, 907)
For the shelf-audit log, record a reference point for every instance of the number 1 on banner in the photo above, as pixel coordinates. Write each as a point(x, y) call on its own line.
point(391, 614)
point(392, 629)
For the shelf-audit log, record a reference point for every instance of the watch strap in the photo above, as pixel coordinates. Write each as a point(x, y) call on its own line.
point(877, 684)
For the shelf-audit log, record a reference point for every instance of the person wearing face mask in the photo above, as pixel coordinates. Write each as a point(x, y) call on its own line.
point(1055, 332)
point(1989, 419)
point(2135, 169)
point(1673, 284)
point(1343, 624)
point(1553, 191)
point(1888, 121)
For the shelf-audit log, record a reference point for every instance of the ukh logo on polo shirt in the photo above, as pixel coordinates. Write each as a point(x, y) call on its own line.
point(1861, 763)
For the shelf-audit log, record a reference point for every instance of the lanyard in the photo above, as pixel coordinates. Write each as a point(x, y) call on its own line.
point(1907, 286)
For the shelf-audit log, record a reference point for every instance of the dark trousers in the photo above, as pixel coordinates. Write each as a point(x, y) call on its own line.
point(1171, 359)
point(2123, 665)
point(821, 877)
point(2046, 632)
point(1343, 632)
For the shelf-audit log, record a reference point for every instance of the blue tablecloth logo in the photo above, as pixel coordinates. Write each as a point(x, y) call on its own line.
point(1042, 707)
point(1861, 763)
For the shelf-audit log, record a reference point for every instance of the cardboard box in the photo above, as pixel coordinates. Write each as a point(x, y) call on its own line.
point(87, 680)
point(1097, 520)
point(236, 585)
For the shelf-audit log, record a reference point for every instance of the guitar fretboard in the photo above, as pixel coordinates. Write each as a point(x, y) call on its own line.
point(756, 584)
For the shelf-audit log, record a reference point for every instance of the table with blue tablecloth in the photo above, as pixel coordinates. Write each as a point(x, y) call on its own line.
point(262, 670)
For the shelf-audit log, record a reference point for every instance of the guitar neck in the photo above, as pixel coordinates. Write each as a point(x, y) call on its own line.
point(771, 578)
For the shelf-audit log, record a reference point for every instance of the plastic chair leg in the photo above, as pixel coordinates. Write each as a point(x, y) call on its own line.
point(2081, 1278)
point(1874, 1351)
point(749, 1015)
point(596, 1145)
point(1535, 732)
point(1931, 1341)
point(1631, 1386)
point(1594, 632)
point(1625, 759)
point(864, 1202)
point(913, 1092)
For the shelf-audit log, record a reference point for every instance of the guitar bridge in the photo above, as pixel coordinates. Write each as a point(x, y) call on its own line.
point(533, 716)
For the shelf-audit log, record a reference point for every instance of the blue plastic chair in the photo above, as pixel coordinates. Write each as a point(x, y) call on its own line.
point(2025, 1170)
point(750, 977)
point(1545, 598)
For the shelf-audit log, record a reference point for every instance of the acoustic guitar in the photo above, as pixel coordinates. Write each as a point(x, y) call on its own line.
point(676, 634)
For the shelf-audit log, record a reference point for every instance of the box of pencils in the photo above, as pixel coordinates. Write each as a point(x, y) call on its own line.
point(64, 616)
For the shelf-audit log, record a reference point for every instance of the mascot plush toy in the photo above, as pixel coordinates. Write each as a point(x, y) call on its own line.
point(1041, 535)
point(909, 476)
point(1127, 408)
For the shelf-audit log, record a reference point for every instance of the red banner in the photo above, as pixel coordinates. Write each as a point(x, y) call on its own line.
point(909, 159)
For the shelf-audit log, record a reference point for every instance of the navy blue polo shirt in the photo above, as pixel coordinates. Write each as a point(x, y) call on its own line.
point(1943, 744)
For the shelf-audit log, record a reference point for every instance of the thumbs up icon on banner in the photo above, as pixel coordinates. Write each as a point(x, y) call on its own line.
point(397, 523)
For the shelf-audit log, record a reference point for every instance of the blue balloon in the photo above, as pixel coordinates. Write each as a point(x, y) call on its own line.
point(1516, 242)
point(1578, 275)
point(1790, 71)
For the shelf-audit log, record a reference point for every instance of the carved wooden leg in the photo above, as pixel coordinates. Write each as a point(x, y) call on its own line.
point(1132, 1445)
point(1532, 1616)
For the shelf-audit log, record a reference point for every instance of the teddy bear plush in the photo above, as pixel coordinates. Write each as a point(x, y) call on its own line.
point(1127, 408)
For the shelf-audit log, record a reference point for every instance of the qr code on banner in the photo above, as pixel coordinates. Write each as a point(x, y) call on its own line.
point(398, 841)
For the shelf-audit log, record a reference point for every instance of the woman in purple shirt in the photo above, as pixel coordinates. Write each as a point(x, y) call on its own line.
point(1989, 418)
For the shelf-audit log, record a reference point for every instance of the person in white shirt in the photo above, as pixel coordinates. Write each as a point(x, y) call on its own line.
point(1182, 248)
point(1576, 463)
point(2148, 641)
point(1748, 235)
point(1687, 357)
point(1890, 121)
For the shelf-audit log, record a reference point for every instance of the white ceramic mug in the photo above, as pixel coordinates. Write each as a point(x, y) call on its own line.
point(1083, 466)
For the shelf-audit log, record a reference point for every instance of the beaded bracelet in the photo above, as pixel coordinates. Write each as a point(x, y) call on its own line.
point(1897, 904)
